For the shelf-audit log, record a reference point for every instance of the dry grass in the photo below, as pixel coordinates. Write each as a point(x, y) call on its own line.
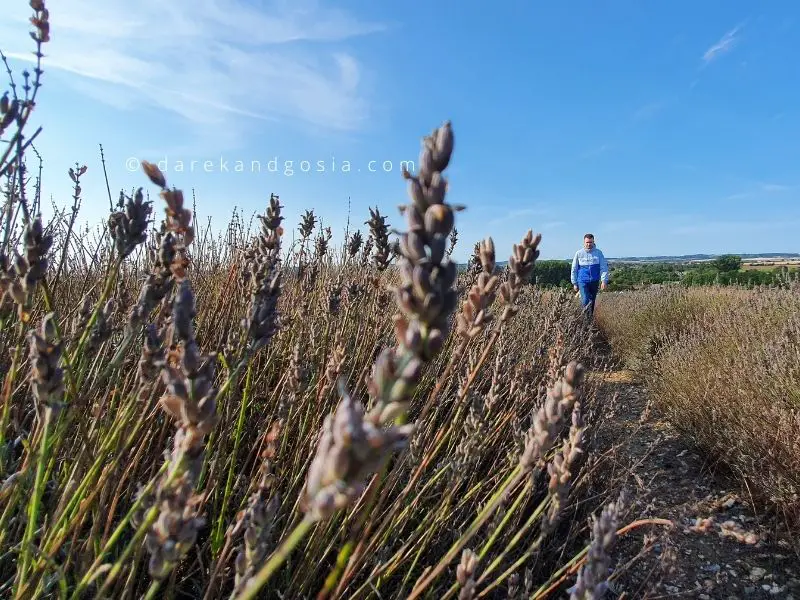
point(219, 416)
point(723, 364)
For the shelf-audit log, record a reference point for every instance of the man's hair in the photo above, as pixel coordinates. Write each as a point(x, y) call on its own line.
point(589, 235)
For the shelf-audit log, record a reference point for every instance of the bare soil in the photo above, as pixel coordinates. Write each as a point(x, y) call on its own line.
point(719, 546)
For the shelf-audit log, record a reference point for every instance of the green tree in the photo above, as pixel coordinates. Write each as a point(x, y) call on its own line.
point(548, 273)
point(728, 263)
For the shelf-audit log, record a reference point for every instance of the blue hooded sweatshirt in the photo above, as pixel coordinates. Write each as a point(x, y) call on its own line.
point(589, 266)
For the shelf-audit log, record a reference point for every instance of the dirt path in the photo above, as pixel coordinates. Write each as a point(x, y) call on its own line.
point(717, 548)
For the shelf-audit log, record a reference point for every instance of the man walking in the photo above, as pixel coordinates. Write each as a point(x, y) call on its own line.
point(589, 272)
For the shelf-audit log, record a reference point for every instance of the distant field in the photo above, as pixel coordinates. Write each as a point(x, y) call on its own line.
point(766, 264)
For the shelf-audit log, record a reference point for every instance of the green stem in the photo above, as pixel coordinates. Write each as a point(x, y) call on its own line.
point(493, 538)
point(535, 546)
point(558, 574)
point(151, 516)
point(152, 590)
point(515, 540)
point(513, 478)
point(120, 529)
point(33, 510)
point(219, 532)
point(510, 571)
point(260, 579)
point(118, 355)
point(346, 553)
point(8, 386)
point(226, 386)
point(90, 478)
point(50, 307)
point(110, 280)
point(341, 562)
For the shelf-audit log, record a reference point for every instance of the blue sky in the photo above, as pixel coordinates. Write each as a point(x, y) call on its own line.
point(663, 127)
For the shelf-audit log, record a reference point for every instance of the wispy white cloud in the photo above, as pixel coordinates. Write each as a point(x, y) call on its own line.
point(519, 213)
point(723, 46)
point(733, 227)
point(775, 187)
point(212, 62)
point(739, 196)
point(619, 225)
point(597, 151)
point(759, 189)
point(649, 110)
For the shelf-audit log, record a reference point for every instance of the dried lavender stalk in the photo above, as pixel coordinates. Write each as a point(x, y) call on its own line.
point(453, 242)
point(561, 399)
point(159, 283)
point(321, 244)
point(350, 449)
point(177, 220)
point(333, 367)
point(261, 322)
point(307, 225)
point(190, 398)
point(592, 581)
point(169, 261)
point(475, 315)
point(426, 295)
point(467, 453)
point(354, 244)
point(474, 263)
point(19, 281)
point(81, 319)
point(128, 227)
point(560, 470)
point(47, 386)
point(153, 355)
point(306, 228)
point(499, 387)
point(6, 279)
point(257, 522)
point(102, 329)
point(309, 277)
point(47, 377)
point(520, 267)
point(426, 299)
point(555, 355)
point(465, 574)
point(335, 290)
point(354, 445)
point(379, 233)
point(366, 251)
point(293, 385)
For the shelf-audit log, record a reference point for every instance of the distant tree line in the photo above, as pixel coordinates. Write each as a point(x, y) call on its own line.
point(551, 273)
point(724, 270)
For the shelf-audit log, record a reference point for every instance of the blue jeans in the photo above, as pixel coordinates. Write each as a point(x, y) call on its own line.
point(588, 290)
